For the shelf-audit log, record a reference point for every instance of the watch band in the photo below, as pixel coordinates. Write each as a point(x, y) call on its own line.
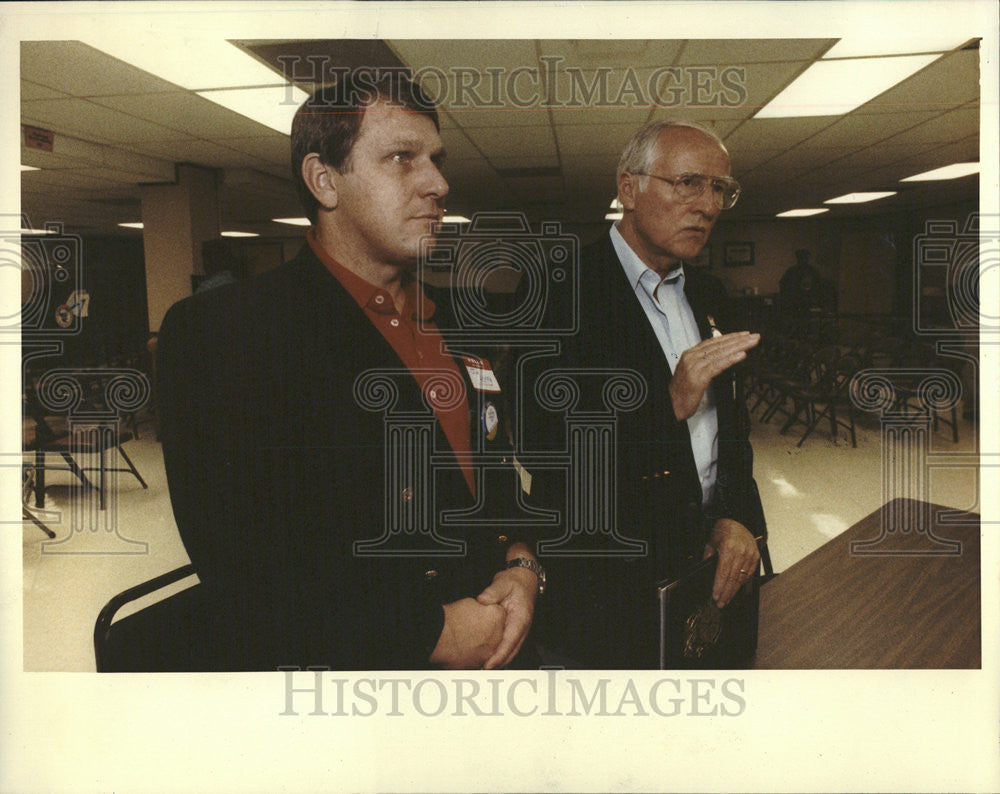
point(533, 566)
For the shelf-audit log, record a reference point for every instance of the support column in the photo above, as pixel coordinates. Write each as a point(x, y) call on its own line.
point(177, 218)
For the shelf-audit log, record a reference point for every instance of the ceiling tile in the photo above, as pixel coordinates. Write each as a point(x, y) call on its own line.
point(183, 110)
point(950, 81)
point(590, 54)
point(206, 153)
point(92, 179)
point(79, 70)
point(474, 55)
point(945, 128)
point(774, 133)
point(577, 139)
point(83, 119)
point(743, 51)
point(32, 91)
point(859, 130)
point(40, 159)
point(275, 149)
point(797, 160)
point(744, 160)
point(522, 141)
point(472, 118)
point(747, 89)
point(458, 146)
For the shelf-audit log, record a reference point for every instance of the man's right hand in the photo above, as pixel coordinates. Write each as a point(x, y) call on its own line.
point(471, 633)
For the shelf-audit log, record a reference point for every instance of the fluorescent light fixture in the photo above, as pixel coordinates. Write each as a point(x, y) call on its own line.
point(29, 168)
point(189, 61)
point(874, 41)
point(293, 221)
point(38, 231)
point(273, 106)
point(616, 205)
point(953, 171)
point(131, 225)
point(613, 216)
point(860, 198)
point(455, 219)
point(832, 88)
point(238, 234)
point(803, 213)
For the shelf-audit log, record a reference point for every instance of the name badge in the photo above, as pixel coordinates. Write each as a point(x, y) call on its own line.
point(481, 374)
point(491, 420)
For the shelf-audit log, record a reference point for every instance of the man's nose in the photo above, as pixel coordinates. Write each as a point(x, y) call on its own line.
point(433, 182)
point(707, 204)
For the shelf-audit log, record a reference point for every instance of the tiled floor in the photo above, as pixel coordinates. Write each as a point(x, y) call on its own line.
point(810, 494)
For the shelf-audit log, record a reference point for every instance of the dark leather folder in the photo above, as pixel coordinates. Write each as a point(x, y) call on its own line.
point(695, 633)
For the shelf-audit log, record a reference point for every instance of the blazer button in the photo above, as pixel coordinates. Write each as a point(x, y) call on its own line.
point(428, 575)
point(406, 495)
point(501, 538)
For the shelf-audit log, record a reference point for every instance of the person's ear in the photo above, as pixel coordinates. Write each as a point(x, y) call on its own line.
point(628, 187)
point(318, 177)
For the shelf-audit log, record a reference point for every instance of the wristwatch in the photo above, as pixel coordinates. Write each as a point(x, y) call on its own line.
point(531, 565)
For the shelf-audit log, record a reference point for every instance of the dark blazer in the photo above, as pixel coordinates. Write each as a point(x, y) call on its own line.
point(600, 611)
point(277, 471)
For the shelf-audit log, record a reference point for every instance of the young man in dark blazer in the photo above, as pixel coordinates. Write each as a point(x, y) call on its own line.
point(683, 483)
point(317, 432)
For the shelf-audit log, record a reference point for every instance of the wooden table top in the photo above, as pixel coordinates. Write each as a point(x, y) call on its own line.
point(876, 597)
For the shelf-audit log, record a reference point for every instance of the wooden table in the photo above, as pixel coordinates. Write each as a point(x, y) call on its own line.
point(899, 589)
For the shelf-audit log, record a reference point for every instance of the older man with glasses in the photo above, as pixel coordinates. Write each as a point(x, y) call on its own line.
point(684, 488)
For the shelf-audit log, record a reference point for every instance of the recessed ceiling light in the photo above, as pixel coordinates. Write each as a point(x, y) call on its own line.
point(293, 221)
point(804, 213)
point(273, 106)
point(187, 60)
point(455, 219)
point(860, 198)
point(613, 216)
point(238, 234)
point(953, 171)
point(832, 88)
point(29, 168)
point(131, 225)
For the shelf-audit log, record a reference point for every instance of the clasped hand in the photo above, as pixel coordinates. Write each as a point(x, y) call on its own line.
point(488, 631)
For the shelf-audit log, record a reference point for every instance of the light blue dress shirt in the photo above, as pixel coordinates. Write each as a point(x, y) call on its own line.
point(670, 315)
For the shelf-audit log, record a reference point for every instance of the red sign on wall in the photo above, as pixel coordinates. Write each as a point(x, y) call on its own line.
point(37, 138)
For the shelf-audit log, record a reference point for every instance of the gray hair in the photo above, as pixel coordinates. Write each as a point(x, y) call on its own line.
point(639, 151)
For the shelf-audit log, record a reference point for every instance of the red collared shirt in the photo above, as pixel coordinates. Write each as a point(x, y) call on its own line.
point(418, 343)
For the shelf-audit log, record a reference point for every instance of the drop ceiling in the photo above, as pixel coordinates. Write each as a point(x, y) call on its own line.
point(118, 127)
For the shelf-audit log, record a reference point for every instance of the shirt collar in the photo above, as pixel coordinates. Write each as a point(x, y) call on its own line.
point(369, 296)
point(636, 269)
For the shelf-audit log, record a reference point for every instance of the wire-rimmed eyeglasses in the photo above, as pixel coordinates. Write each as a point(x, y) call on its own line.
point(687, 187)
